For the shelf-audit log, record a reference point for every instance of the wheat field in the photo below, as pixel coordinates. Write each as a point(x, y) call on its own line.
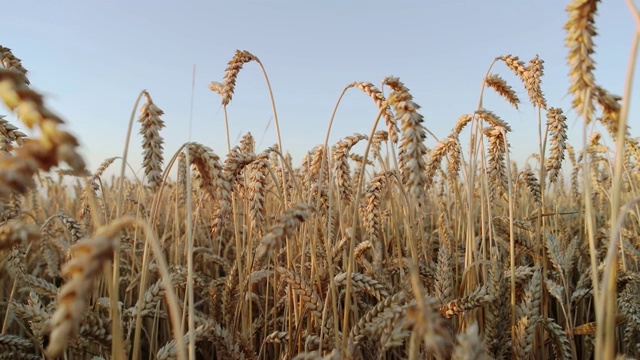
point(421, 246)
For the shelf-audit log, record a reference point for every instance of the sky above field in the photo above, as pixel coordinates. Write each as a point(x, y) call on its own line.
point(92, 58)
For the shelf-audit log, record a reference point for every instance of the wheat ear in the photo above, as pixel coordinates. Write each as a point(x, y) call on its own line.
point(151, 141)
point(580, 32)
point(8, 135)
point(412, 148)
point(503, 89)
point(12, 63)
point(90, 257)
point(53, 147)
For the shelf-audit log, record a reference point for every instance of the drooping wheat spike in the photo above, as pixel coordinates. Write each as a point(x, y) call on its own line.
point(39, 285)
point(359, 168)
point(33, 312)
point(479, 297)
point(562, 258)
point(580, 32)
point(32, 111)
point(461, 123)
point(515, 64)
point(448, 145)
point(19, 355)
point(52, 148)
point(557, 125)
point(258, 195)
point(470, 345)
point(284, 226)
point(503, 89)
point(229, 294)
point(247, 147)
point(532, 184)
point(341, 166)
point(377, 96)
point(277, 337)
point(210, 172)
point(13, 207)
point(11, 62)
point(151, 141)
point(454, 161)
point(53, 251)
point(496, 312)
point(154, 295)
point(376, 142)
point(15, 263)
point(228, 85)
point(315, 163)
point(393, 330)
point(576, 167)
point(318, 182)
point(104, 165)
point(444, 282)
point(371, 321)
point(532, 80)
point(559, 339)
point(95, 328)
point(364, 283)
point(492, 119)
point(497, 167)
point(91, 189)
point(233, 165)
point(372, 214)
point(528, 315)
point(412, 161)
point(308, 295)
point(8, 135)
point(629, 308)
point(90, 255)
point(10, 343)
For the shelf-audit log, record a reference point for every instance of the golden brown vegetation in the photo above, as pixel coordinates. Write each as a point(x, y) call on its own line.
point(436, 253)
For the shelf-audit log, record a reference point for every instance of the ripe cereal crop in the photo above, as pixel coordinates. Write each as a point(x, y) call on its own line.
point(419, 246)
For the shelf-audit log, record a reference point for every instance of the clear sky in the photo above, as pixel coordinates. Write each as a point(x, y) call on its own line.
point(92, 58)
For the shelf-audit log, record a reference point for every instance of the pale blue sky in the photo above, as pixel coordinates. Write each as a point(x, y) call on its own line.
point(92, 58)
